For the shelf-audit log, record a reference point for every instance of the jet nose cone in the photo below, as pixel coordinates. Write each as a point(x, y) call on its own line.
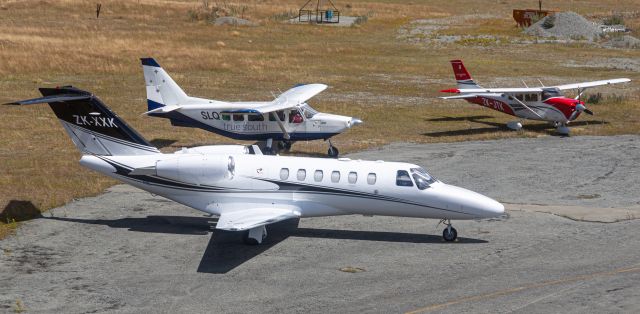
point(473, 203)
point(492, 208)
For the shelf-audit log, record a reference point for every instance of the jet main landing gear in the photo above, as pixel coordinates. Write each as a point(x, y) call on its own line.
point(268, 147)
point(255, 235)
point(449, 233)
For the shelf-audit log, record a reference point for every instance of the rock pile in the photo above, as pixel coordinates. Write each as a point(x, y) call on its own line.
point(565, 25)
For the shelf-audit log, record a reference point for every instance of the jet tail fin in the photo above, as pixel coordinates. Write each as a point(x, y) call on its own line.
point(463, 78)
point(92, 126)
point(162, 90)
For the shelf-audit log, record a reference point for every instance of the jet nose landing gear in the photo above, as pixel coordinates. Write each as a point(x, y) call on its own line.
point(449, 233)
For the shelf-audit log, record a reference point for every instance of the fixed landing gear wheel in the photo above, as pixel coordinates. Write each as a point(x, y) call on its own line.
point(285, 145)
point(450, 234)
point(333, 152)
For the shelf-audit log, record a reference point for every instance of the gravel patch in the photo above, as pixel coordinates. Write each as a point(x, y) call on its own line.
point(625, 42)
point(628, 64)
point(425, 30)
point(235, 21)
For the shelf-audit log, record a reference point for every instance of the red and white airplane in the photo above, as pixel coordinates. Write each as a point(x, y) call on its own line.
point(546, 103)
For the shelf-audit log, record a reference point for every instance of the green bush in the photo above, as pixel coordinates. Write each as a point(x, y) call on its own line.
point(615, 19)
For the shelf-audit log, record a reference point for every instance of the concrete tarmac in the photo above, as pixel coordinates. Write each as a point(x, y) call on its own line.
point(128, 251)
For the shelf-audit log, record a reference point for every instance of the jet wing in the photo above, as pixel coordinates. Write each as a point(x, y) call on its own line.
point(592, 84)
point(254, 217)
point(286, 100)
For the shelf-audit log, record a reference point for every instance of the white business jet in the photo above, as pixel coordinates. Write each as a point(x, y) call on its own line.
point(286, 119)
point(249, 190)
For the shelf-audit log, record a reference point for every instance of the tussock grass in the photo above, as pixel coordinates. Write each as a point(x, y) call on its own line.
point(390, 83)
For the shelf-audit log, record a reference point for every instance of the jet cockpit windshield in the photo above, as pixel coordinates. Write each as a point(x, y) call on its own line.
point(422, 177)
point(307, 111)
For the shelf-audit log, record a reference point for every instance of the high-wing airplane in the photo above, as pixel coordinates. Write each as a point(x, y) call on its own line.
point(249, 190)
point(286, 119)
point(545, 103)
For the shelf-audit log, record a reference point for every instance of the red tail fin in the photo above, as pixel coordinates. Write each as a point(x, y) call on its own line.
point(460, 71)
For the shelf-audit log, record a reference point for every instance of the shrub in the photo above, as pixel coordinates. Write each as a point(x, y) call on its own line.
point(615, 19)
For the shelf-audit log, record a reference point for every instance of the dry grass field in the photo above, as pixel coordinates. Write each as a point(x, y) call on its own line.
point(375, 74)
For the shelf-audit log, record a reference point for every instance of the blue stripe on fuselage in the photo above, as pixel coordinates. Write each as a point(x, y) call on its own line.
point(179, 119)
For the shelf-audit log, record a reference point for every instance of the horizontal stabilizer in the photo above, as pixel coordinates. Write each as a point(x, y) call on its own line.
point(49, 99)
point(254, 217)
point(163, 109)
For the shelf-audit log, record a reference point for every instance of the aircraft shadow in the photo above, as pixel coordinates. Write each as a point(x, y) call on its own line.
point(19, 210)
point(381, 236)
point(225, 250)
point(162, 142)
point(452, 119)
point(543, 128)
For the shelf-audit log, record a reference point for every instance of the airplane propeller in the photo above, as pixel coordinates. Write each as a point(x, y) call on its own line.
point(580, 108)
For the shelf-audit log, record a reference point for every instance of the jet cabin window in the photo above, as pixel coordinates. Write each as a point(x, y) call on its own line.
point(335, 176)
point(403, 179)
point(422, 178)
point(520, 97)
point(238, 117)
point(371, 178)
point(284, 173)
point(317, 176)
point(226, 117)
point(302, 174)
point(353, 177)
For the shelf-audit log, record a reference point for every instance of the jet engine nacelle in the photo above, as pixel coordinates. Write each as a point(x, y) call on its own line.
point(201, 169)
